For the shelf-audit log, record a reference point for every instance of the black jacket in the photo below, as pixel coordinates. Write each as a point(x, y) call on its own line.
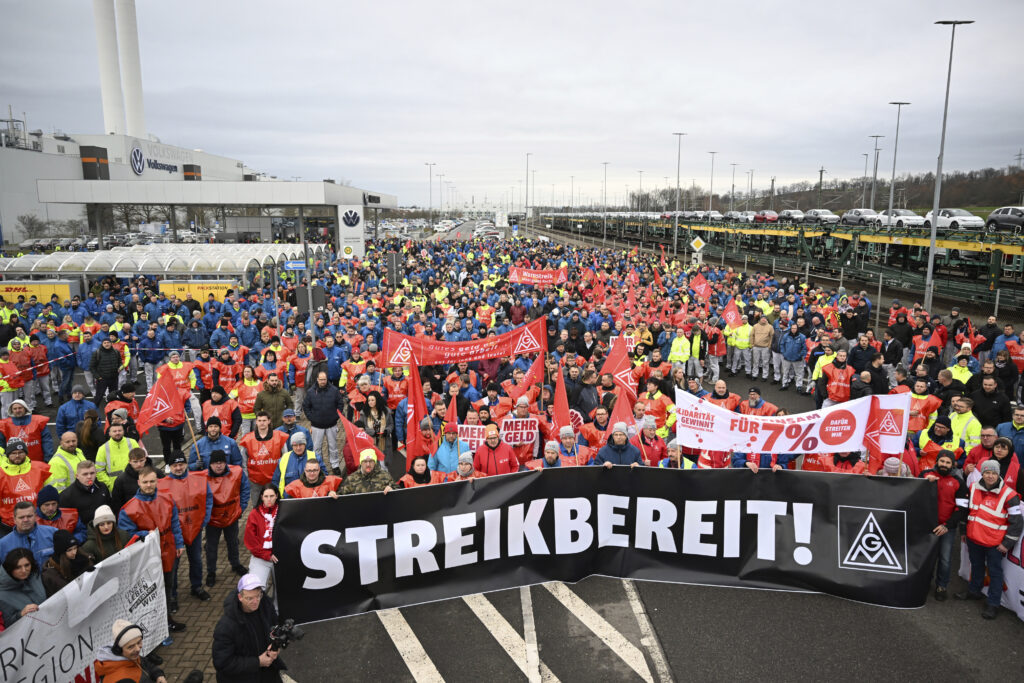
point(127, 485)
point(321, 406)
point(105, 363)
point(239, 639)
point(991, 410)
point(85, 500)
point(893, 352)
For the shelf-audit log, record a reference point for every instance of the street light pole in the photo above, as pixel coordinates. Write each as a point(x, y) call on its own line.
point(711, 191)
point(440, 197)
point(732, 192)
point(604, 241)
point(526, 200)
point(874, 178)
point(929, 284)
point(640, 193)
point(895, 146)
point(430, 195)
point(864, 182)
point(679, 157)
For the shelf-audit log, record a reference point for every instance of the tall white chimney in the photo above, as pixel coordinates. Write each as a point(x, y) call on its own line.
point(131, 68)
point(110, 72)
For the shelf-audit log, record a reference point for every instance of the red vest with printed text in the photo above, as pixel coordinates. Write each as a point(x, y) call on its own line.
point(226, 490)
point(31, 434)
point(189, 494)
point(155, 515)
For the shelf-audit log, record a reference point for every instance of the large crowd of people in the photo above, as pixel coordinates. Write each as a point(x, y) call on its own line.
point(270, 393)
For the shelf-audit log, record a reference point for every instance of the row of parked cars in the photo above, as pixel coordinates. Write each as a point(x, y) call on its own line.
point(1004, 218)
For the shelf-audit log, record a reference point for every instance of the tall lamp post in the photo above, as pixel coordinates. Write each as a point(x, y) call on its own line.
point(679, 157)
point(526, 200)
point(440, 197)
point(895, 146)
point(929, 284)
point(430, 194)
point(732, 192)
point(711, 190)
point(605, 201)
point(874, 177)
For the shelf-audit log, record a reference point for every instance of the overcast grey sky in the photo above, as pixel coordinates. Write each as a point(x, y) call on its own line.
point(371, 91)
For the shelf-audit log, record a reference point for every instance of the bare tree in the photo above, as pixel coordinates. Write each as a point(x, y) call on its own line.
point(33, 226)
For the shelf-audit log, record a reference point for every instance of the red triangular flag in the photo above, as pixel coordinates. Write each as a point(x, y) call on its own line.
point(622, 411)
point(416, 411)
point(701, 286)
point(451, 416)
point(732, 315)
point(358, 440)
point(657, 280)
point(631, 299)
point(534, 375)
point(163, 402)
point(618, 365)
point(560, 410)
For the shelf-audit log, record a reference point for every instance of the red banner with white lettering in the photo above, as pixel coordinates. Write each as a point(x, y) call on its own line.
point(532, 276)
point(401, 349)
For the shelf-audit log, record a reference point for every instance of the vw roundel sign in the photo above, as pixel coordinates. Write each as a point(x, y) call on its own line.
point(350, 218)
point(137, 160)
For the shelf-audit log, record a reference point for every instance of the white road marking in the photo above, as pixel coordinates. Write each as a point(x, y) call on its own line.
point(530, 631)
point(415, 657)
point(647, 636)
point(510, 641)
point(617, 642)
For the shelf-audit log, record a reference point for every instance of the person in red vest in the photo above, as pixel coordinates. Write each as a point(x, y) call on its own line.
point(261, 450)
point(419, 475)
point(834, 383)
point(224, 408)
point(191, 493)
point(994, 525)
point(755, 405)
point(846, 463)
point(20, 480)
point(1009, 465)
point(595, 434)
point(651, 446)
point(722, 398)
point(153, 510)
point(230, 489)
point(552, 457)
point(953, 496)
point(313, 483)
point(50, 513)
point(494, 456)
point(40, 366)
point(30, 429)
point(464, 470)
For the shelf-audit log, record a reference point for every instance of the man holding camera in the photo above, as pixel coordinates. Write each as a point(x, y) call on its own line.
point(242, 647)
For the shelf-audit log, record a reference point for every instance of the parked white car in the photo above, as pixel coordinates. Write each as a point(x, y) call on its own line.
point(747, 216)
point(955, 219)
point(820, 217)
point(900, 218)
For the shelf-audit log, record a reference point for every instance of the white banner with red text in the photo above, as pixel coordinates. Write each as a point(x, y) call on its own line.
point(533, 276)
point(401, 349)
point(60, 641)
point(871, 422)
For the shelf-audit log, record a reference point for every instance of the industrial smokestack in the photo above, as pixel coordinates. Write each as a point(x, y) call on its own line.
point(131, 68)
point(110, 72)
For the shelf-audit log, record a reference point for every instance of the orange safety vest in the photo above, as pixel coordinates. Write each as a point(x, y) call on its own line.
point(729, 402)
point(66, 520)
point(300, 363)
point(987, 518)
point(221, 410)
point(455, 476)
point(816, 462)
point(712, 460)
point(155, 515)
point(280, 369)
point(595, 437)
point(15, 488)
point(39, 360)
point(205, 368)
point(845, 467)
point(297, 489)
point(397, 390)
point(189, 494)
point(31, 434)
point(227, 375)
point(435, 478)
point(247, 396)
point(227, 489)
point(838, 387)
point(131, 407)
point(262, 456)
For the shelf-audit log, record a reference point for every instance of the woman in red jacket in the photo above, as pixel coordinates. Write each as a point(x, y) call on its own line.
point(259, 532)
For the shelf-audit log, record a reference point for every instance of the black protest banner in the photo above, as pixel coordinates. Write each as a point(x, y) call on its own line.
point(863, 538)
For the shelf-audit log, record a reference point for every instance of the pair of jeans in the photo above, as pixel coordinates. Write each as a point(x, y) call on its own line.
point(195, 566)
point(213, 535)
point(943, 567)
point(981, 557)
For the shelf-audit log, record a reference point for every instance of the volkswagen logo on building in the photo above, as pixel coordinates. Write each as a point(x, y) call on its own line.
point(351, 218)
point(138, 161)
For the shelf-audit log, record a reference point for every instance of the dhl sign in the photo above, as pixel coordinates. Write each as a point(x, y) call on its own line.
point(199, 289)
point(43, 290)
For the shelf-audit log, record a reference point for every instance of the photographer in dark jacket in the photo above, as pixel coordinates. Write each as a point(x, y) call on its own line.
point(241, 639)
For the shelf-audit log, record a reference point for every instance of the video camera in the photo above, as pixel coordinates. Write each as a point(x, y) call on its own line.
point(284, 633)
